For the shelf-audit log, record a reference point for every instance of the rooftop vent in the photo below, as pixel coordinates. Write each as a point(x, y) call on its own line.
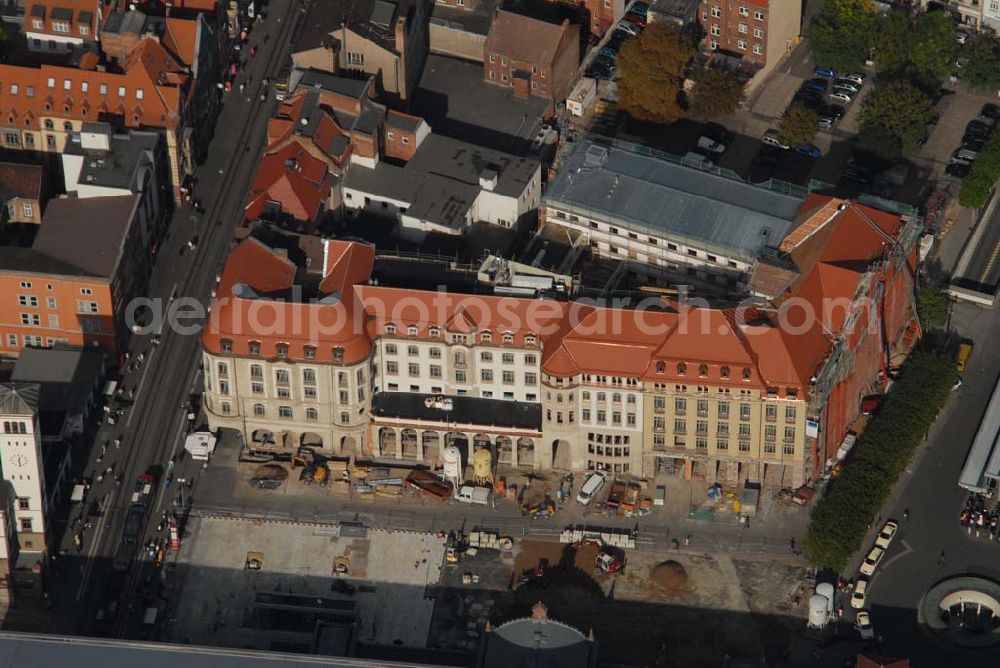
point(488, 179)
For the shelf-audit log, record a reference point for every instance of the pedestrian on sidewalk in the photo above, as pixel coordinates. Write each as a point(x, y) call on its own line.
point(941, 559)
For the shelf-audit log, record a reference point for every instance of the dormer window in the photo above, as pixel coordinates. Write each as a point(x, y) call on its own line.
point(411, 330)
point(681, 368)
point(226, 345)
point(529, 339)
point(435, 332)
point(702, 370)
point(508, 338)
point(724, 372)
point(281, 349)
point(338, 354)
point(661, 367)
point(746, 373)
point(390, 328)
point(255, 347)
point(309, 352)
point(486, 337)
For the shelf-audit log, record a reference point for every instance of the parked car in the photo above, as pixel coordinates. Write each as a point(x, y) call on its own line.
point(860, 594)
point(978, 128)
point(591, 486)
point(961, 36)
point(886, 535)
point(958, 170)
point(871, 561)
point(809, 149)
point(773, 138)
point(863, 624)
point(709, 144)
point(808, 98)
point(990, 110)
point(840, 96)
point(635, 19)
point(824, 72)
point(856, 77)
point(617, 40)
point(846, 83)
point(851, 90)
point(717, 132)
point(628, 28)
point(964, 155)
point(973, 142)
point(819, 85)
point(834, 110)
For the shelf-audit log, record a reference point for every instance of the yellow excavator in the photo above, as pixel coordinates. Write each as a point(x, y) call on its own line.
point(314, 468)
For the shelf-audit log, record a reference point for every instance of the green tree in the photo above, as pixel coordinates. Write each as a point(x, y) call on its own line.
point(878, 143)
point(841, 35)
point(932, 307)
point(853, 501)
point(933, 46)
point(799, 125)
point(983, 69)
point(901, 110)
point(976, 187)
point(892, 48)
point(652, 70)
point(717, 93)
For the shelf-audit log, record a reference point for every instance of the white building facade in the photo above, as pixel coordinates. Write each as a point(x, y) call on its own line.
point(21, 461)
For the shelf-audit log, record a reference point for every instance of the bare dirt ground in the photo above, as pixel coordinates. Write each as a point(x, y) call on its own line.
point(704, 607)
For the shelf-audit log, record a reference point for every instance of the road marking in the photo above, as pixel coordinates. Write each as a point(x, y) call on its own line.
point(905, 552)
point(990, 262)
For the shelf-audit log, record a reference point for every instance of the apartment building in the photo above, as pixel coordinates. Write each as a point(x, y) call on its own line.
point(531, 56)
point(756, 32)
point(22, 193)
point(666, 220)
point(21, 462)
point(44, 108)
point(72, 281)
point(57, 26)
point(726, 393)
point(387, 40)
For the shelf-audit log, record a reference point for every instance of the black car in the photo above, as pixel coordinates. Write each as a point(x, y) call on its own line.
point(617, 39)
point(808, 99)
point(717, 133)
point(834, 110)
point(600, 69)
point(978, 128)
point(990, 110)
point(958, 170)
point(973, 142)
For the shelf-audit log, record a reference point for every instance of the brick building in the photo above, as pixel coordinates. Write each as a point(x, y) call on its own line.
point(756, 33)
point(57, 26)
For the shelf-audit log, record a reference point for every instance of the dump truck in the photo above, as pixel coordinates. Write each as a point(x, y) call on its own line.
point(616, 495)
point(429, 484)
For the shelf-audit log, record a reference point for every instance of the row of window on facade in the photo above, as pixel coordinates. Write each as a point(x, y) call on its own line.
point(485, 336)
point(281, 349)
point(743, 10)
point(484, 356)
point(82, 305)
point(67, 85)
point(743, 28)
point(741, 44)
point(634, 236)
point(722, 445)
point(15, 427)
point(60, 26)
point(282, 381)
point(601, 417)
point(681, 426)
point(702, 406)
point(284, 412)
point(33, 341)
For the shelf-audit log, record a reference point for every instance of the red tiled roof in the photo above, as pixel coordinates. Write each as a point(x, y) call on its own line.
point(69, 93)
point(17, 180)
point(292, 177)
point(181, 39)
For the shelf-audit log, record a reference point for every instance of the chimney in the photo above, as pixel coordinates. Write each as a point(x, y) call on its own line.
point(488, 179)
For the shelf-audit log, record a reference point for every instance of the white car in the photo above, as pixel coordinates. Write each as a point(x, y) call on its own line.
point(857, 78)
point(886, 535)
point(860, 594)
point(870, 563)
point(629, 28)
point(591, 487)
point(710, 145)
point(840, 96)
point(863, 623)
point(773, 138)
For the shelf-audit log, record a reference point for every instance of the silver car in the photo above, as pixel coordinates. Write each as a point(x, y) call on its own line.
point(853, 78)
point(840, 96)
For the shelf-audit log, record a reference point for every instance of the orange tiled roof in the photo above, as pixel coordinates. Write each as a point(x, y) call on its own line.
point(181, 38)
point(78, 13)
point(293, 177)
point(30, 94)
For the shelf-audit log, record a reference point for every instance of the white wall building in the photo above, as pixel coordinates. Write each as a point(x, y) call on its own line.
point(21, 461)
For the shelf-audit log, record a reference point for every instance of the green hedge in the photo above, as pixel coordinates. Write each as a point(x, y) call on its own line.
point(854, 499)
point(976, 187)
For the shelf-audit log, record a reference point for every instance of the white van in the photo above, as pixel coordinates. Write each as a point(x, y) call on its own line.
point(709, 144)
point(591, 487)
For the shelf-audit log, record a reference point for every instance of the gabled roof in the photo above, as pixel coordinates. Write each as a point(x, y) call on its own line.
point(293, 178)
point(18, 180)
point(18, 398)
point(525, 38)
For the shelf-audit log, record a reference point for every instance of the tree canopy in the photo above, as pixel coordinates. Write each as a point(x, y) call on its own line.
point(932, 307)
point(841, 35)
point(854, 499)
point(799, 125)
point(652, 69)
point(901, 110)
point(976, 187)
point(983, 69)
point(717, 92)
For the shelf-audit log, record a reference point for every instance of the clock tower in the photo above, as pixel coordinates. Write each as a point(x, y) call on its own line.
point(21, 462)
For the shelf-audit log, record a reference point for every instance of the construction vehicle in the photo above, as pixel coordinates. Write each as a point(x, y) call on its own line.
point(315, 470)
point(616, 495)
point(545, 508)
point(609, 563)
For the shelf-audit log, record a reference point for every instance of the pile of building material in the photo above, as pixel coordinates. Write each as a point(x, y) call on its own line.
point(490, 539)
point(622, 538)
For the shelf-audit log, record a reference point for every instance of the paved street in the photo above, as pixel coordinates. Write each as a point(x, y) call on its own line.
point(929, 489)
point(152, 430)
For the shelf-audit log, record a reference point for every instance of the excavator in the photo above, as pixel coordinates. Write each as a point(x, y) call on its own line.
point(314, 468)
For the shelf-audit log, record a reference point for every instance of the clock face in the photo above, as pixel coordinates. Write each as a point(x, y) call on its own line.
point(18, 460)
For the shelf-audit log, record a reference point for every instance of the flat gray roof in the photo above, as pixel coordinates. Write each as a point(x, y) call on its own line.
point(87, 233)
point(983, 460)
point(652, 193)
point(27, 650)
point(115, 168)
